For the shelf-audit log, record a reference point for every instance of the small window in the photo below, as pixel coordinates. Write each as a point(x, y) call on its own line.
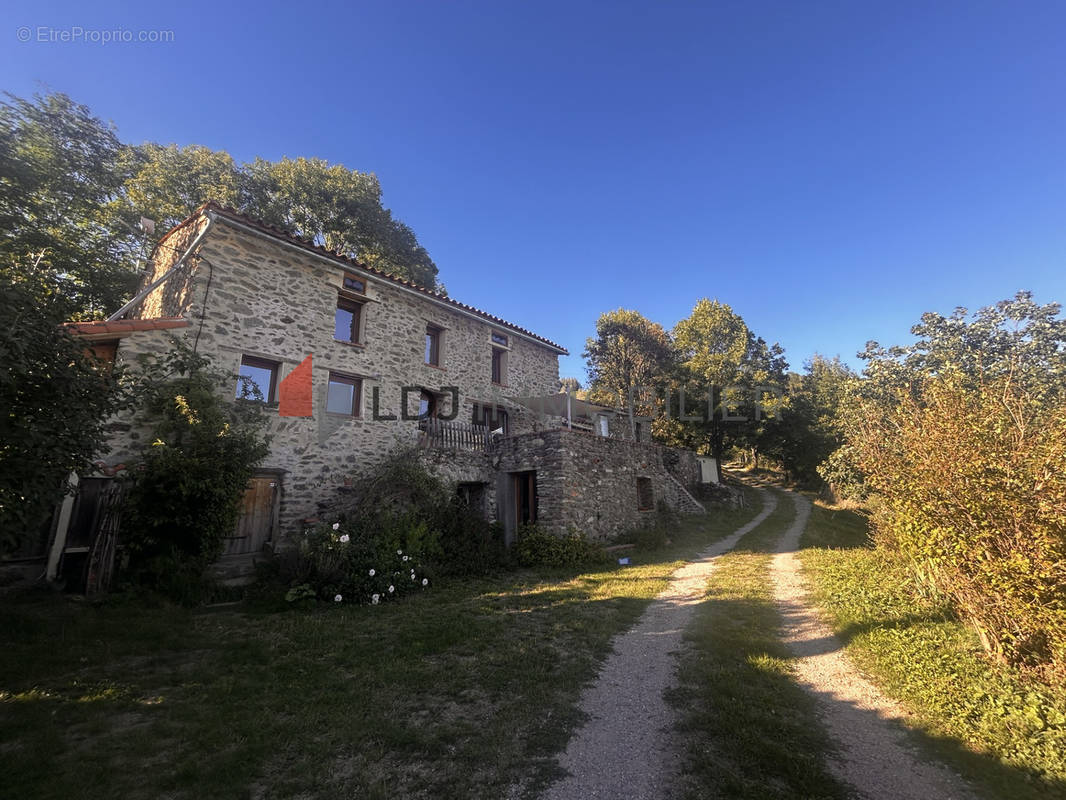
point(638, 431)
point(354, 284)
point(343, 395)
point(645, 495)
point(433, 337)
point(257, 374)
point(348, 320)
point(499, 338)
point(499, 366)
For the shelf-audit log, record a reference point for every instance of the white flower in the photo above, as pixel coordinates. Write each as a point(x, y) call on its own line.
point(337, 598)
point(400, 553)
point(405, 558)
point(375, 598)
point(391, 588)
point(344, 538)
point(372, 573)
point(425, 581)
point(412, 576)
point(336, 525)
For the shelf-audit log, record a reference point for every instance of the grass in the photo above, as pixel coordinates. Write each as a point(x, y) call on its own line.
point(458, 693)
point(750, 730)
point(1005, 732)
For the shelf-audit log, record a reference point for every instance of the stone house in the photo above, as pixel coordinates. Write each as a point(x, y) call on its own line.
point(355, 364)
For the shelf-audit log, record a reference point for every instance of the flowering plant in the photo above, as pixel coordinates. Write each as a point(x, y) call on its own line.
point(349, 562)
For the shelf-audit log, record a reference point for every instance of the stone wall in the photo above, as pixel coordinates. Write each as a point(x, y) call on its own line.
point(252, 295)
point(588, 483)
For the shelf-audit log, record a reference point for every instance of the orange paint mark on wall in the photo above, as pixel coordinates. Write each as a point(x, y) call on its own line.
point(294, 392)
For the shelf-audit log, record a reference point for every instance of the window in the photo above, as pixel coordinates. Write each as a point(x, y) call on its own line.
point(354, 284)
point(343, 395)
point(499, 366)
point(638, 431)
point(348, 320)
point(499, 338)
point(645, 495)
point(492, 417)
point(257, 374)
point(602, 425)
point(433, 337)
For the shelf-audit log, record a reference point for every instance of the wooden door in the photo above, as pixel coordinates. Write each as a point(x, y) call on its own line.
point(256, 524)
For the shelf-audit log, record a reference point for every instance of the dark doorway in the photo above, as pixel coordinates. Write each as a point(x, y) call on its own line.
point(525, 497)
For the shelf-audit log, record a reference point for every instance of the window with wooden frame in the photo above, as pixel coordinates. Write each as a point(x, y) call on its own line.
point(499, 366)
point(344, 395)
point(348, 321)
point(257, 374)
point(434, 335)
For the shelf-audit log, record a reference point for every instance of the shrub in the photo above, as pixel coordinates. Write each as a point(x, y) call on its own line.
point(402, 494)
point(536, 548)
point(184, 495)
point(55, 402)
point(972, 485)
point(349, 562)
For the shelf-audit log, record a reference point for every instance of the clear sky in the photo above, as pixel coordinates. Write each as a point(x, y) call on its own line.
point(829, 169)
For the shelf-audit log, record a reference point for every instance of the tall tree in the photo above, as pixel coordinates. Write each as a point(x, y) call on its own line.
point(809, 428)
point(723, 369)
point(630, 352)
point(72, 195)
point(339, 209)
point(166, 183)
point(59, 167)
point(54, 401)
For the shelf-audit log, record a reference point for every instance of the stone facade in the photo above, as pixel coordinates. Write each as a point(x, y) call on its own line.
point(592, 484)
point(251, 292)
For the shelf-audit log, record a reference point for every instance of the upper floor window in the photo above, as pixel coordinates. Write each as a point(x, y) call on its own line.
point(348, 321)
point(433, 342)
point(499, 338)
point(499, 366)
point(354, 284)
point(257, 374)
point(344, 395)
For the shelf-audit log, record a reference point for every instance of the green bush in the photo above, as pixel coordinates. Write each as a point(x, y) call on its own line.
point(399, 517)
point(54, 404)
point(538, 548)
point(360, 563)
point(185, 492)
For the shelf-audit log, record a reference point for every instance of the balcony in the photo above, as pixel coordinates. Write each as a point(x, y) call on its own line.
point(440, 435)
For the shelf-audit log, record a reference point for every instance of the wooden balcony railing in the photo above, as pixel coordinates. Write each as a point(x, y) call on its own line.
point(455, 435)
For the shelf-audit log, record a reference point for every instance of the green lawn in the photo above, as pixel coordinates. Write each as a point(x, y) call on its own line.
point(460, 692)
point(1005, 732)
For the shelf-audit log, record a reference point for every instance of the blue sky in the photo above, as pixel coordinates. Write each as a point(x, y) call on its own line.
point(829, 169)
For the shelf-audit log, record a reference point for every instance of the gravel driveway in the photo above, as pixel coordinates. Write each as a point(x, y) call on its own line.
point(625, 749)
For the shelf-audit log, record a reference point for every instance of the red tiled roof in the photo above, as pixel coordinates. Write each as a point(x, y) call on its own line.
point(124, 327)
point(347, 261)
